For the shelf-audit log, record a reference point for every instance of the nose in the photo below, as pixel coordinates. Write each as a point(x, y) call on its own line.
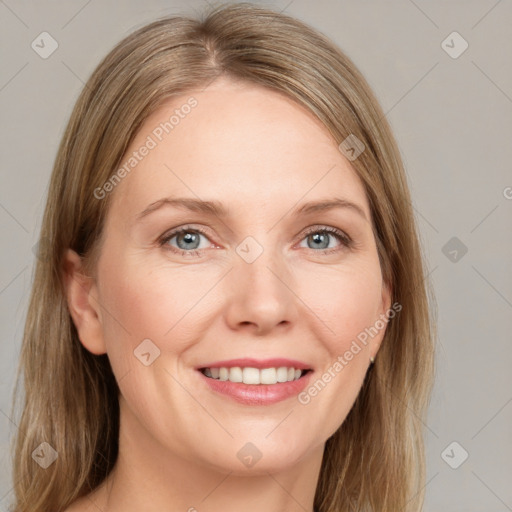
point(261, 295)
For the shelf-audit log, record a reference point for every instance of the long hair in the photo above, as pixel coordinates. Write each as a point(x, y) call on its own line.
point(375, 461)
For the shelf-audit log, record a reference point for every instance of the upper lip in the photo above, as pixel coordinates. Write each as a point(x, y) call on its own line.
point(276, 362)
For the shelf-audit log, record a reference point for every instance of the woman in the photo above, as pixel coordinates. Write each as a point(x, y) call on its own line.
point(232, 243)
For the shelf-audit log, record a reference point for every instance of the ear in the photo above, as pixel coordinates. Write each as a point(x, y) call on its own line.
point(384, 309)
point(83, 304)
point(387, 293)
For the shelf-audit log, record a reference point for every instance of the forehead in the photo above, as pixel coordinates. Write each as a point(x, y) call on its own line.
point(238, 142)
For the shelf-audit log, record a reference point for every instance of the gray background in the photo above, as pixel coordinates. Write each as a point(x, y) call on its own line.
point(453, 121)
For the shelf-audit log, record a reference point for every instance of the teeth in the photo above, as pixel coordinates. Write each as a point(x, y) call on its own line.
point(236, 374)
point(269, 376)
point(282, 374)
point(254, 375)
point(251, 375)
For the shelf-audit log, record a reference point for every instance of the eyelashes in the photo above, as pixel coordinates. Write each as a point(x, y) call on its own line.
point(343, 238)
point(325, 232)
point(164, 242)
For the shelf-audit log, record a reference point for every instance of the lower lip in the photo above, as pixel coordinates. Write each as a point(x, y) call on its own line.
point(258, 394)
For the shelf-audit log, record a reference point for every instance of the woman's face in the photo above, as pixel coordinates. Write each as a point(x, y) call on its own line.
point(259, 279)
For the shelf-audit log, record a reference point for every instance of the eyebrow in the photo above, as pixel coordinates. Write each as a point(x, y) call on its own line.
point(216, 208)
point(330, 204)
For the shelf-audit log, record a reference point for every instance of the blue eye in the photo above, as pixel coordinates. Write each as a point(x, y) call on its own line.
point(320, 238)
point(190, 240)
point(187, 241)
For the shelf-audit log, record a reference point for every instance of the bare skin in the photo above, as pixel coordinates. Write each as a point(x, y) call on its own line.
point(262, 156)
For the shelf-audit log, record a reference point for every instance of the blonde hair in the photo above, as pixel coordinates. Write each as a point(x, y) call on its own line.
point(375, 461)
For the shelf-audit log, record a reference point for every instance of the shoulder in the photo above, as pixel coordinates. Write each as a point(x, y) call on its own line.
point(95, 501)
point(82, 505)
point(77, 506)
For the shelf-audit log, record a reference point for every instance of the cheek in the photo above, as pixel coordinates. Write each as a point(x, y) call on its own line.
point(155, 304)
point(347, 300)
point(151, 303)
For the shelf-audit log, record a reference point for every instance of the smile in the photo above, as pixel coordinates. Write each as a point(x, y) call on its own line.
point(254, 376)
point(252, 381)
